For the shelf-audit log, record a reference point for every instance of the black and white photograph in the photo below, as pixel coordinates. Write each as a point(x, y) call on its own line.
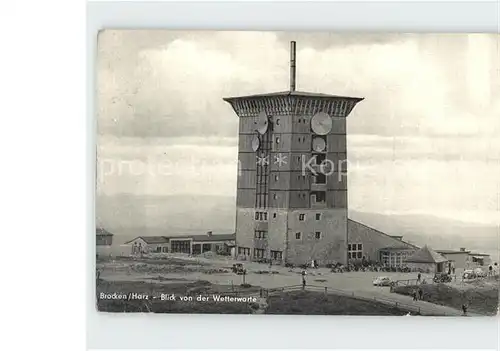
point(297, 173)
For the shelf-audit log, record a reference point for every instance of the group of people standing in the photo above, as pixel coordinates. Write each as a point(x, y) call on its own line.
point(418, 294)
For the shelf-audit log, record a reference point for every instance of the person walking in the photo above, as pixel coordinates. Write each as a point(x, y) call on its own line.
point(304, 280)
point(464, 309)
point(420, 293)
point(419, 277)
point(415, 298)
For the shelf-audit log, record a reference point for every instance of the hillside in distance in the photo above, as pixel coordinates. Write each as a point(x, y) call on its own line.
point(129, 216)
point(436, 232)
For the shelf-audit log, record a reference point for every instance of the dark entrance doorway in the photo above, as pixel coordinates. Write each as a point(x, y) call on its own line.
point(196, 249)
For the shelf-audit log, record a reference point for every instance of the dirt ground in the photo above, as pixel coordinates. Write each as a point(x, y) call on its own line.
point(294, 302)
point(219, 270)
point(177, 269)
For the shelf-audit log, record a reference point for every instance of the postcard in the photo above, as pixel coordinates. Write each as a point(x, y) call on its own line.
point(297, 173)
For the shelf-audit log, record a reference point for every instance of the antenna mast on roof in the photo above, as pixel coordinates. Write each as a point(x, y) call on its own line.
point(292, 66)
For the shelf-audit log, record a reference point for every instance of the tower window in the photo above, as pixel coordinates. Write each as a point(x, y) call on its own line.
point(275, 196)
point(318, 235)
point(318, 196)
point(274, 215)
point(261, 216)
point(318, 216)
point(320, 178)
point(319, 158)
point(277, 139)
point(302, 217)
point(298, 235)
point(277, 121)
point(276, 177)
point(260, 234)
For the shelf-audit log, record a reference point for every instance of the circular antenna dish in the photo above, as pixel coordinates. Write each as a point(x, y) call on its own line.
point(319, 144)
point(321, 123)
point(262, 122)
point(255, 143)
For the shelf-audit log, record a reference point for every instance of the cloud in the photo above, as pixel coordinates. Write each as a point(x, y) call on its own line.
point(425, 139)
point(411, 84)
point(160, 167)
point(367, 148)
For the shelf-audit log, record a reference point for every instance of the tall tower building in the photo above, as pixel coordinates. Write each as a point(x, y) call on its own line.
point(292, 178)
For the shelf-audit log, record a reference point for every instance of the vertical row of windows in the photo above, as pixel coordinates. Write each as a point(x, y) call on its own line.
point(262, 173)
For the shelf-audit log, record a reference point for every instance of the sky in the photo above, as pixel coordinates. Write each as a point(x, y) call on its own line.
point(425, 139)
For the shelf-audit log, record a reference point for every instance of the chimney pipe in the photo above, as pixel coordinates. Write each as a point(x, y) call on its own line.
point(292, 66)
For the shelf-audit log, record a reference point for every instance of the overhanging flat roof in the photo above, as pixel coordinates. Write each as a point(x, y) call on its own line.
point(294, 93)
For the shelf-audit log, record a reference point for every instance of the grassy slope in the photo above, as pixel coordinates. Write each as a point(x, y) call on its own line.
point(480, 300)
point(300, 302)
point(190, 289)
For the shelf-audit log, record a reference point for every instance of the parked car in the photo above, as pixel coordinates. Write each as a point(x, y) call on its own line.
point(382, 281)
point(480, 273)
point(469, 274)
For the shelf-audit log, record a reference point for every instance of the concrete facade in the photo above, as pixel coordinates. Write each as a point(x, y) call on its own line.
point(458, 259)
point(295, 210)
point(376, 246)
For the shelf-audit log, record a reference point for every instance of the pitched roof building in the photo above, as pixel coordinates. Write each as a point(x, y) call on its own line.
point(426, 259)
point(426, 255)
